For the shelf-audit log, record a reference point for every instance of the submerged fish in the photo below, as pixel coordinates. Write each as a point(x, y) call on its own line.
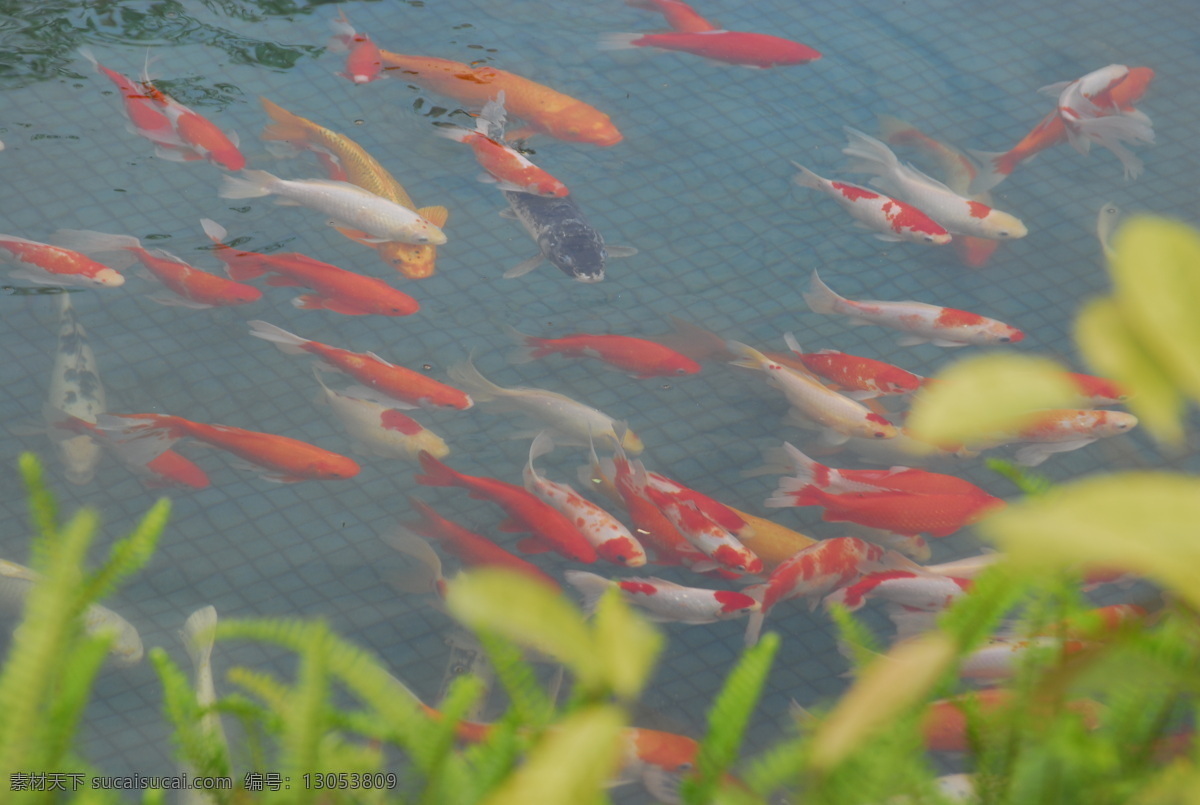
point(665, 601)
point(379, 429)
point(564, 236)
point(17, 581)
point(75, 391)
point(731, 47)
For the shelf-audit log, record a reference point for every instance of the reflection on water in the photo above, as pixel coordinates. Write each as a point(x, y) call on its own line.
point(700, 185)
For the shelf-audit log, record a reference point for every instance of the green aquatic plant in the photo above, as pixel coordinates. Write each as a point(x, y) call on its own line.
point(48, 674)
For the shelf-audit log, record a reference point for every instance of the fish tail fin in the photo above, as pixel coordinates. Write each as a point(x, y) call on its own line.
point(754, 624)
point(749, 357)
point(869, 154)
point(995, 167)
point(541, 445)
point(892, 128)
point(806, 178)
point(590, 586)
point(427, 576)
point(793, 492)
point(820, 297)
point(1112, 130)
point(618, 41)
point(493, 117)
point(808, 471)
point(153, 434)
point(215, 232)
point(87, 53)
point(695, 342)
point(251, 184)
point(289, 343)
point(284, 126)
point(792, 343)
point(529, 348)
point(428, 522)
point(479, 387)
point(436, 473)
point(343, 33)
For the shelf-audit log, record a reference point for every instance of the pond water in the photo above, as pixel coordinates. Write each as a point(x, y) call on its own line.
point(700, 186)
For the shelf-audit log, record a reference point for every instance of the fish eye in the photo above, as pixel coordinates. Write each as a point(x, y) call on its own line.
point(1003, 233)
point(1004, 339)
point(929, 239)
point(880, 434)
point(681, 371)
point(685, 766)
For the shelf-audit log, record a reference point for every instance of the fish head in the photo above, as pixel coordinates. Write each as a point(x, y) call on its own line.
point(1001, 225)
point(580, 123)
point(109, 278)
point(80, 454)
point(1112, 423)
point(413, 260)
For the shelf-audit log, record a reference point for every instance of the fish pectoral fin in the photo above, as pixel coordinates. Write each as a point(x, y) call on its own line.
point(888, 238)
point(178, 301)
point(353, 234)
point(620, 251)
point(1034, 454)
point(524, 267)
point(941, 342)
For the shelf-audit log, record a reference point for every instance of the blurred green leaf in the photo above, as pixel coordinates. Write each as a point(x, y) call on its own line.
point(988, 394)
point(1142, 521)
point(626, 644)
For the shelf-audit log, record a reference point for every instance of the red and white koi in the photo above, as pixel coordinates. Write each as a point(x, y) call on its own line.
point(336, 289)
point(382, 430)
point(505, 165)
point(285, 460)
point(44, 264)
point(958, 214)
point(145, 117)
point(1098, 390)
point(714, 510)
point(363, 62)
point(525, 511)
point(958, 170)
point(890, 218)
point(196, 133)
point(665, 601)
point(714, 541)
point(928, 592)
point(814, 404)
point(1060, 430)
point(190, 287)
point(856, 377)
point(813, 573)
point(611, 539)
point(921, 322)
point(807, 472)
point(382, 381)
point(1085, 108)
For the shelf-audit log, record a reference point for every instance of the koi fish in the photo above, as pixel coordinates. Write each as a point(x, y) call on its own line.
point(958, 171)
point(928, 592)
point(714, 510)
point(1061, 430)
point(650, 526)
point(345, 160)
point(348, 205)
point(568, 421)
point(937, 514)
point(196, 133)
point(1098, 390)
point(665, 601)
point(145, 117)
point(285, 460)
point(856, 377)
point(380, 429)
point(43, 264)
point(641, 358)
point(190, 287)
point(813, 573)
point(731, 47)
point(156, 468)
point(525, 511)
point(336, 290)
point(921, 322)
point(1052, 129)
point(16, 583)
point(608, 536)
point(810, 472)
point(1089, 117)
point(472, 549)
point(958, 214)
point(890, 219)
point(563, 235)
point(771, 542)
point(946, 725)
point(75, 392)
point(363, 62)
point(814, 404)
point(679, 15)
point(505, 165)
point(998, 658)
point(402, 388)
point(715, 542)
point(543, 109)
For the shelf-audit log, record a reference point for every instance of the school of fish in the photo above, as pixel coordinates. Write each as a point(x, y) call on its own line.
point(675, 549)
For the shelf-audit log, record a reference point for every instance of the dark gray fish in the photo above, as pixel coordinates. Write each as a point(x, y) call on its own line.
point(563, 235)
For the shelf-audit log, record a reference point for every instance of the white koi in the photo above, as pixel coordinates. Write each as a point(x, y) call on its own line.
point(665, 601)
point(381, 430)
point(75, 391)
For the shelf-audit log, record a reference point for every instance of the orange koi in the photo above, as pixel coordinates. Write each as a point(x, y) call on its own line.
point(543, 109)
point(43, 264)
point(637, 356)
point(286, 460)
point(363, 62)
